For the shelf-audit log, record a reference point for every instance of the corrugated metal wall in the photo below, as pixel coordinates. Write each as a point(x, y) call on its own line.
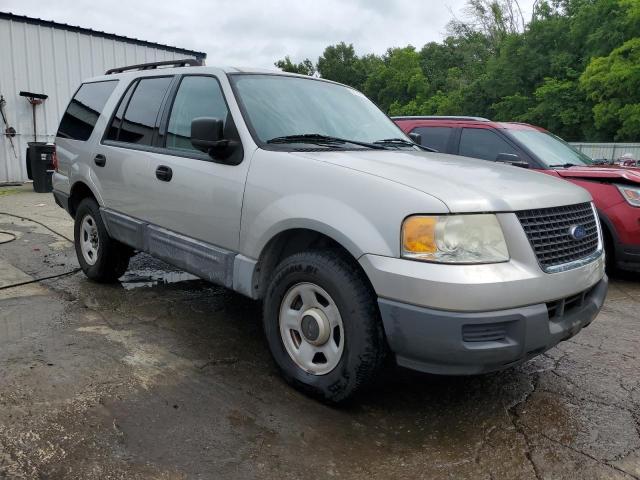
point(53, 61)
point(610, 151)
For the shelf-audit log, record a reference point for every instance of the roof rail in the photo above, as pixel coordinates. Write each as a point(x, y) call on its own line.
point(191, 62)
point(441, 117)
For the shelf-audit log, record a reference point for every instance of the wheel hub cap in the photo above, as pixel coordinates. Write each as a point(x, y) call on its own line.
point(311, 328)
point(315, 327)
point(89, 240)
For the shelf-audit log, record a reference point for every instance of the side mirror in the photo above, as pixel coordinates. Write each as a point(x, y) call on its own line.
point(416, 137)
point(512, 159)
point(207, 134)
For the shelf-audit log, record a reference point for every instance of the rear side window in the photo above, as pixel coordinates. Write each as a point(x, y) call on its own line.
point(197, 97)
point(484, 144)
point(139, 121)
point(84, 110)
point(116, 123)
point(434, 137)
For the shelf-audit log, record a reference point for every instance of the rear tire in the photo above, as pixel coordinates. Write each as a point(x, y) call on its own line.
point(101, 258)
point(323, 325)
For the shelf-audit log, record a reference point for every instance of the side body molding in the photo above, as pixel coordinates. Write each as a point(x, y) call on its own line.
point(206, 261)
point(124, 228)
point(201, 259)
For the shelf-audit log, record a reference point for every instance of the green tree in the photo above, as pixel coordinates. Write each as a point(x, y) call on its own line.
point(305, 67)
point(572, 68)
point(455, 62)
point(341, 64)
point(398, 79)
point(613, 84)
point(562, 108)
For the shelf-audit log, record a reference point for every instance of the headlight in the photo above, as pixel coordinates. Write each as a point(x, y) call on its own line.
point(454, 239)
point(630, 194)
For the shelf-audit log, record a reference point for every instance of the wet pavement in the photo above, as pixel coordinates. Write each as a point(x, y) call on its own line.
point(167, 377)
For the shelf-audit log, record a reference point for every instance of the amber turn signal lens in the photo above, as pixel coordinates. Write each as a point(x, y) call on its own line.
point(419, 235)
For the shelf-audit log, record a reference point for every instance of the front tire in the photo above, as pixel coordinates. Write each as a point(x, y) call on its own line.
point(323, 325)
point(101, 258)
point(610, 253)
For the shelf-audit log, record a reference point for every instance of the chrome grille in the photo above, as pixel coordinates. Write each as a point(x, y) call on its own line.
point(549, 232)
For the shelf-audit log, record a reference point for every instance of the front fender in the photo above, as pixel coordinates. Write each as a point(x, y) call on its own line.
point(335, 219)
point(360, 211)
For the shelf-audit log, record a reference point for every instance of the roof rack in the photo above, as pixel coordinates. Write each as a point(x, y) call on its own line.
point(441, 117)
point(191, 62)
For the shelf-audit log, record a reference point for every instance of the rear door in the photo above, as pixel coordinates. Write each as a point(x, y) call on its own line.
point(122, 160)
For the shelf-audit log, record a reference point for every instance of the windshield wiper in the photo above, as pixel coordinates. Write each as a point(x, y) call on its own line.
point(564, 165)
point(402, 142)
point(319, 139)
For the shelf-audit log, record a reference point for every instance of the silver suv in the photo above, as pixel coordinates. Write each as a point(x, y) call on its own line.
point(301, 193)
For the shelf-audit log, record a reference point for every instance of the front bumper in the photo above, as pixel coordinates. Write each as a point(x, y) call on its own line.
point(455, 343)
point(479, 287)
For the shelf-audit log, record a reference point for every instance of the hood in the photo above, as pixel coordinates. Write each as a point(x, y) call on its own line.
point(609, 172)
point(463, 184)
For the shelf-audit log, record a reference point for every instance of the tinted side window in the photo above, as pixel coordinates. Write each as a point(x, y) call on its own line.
point(140, 117)
point(116, 123)
point(197, 97)
point(84, 110)
point(434, 137)
point(483, 143)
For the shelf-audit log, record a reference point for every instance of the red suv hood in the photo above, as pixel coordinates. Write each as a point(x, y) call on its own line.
point(610, 173)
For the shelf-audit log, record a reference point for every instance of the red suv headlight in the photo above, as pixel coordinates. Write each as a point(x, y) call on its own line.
point(631, 194)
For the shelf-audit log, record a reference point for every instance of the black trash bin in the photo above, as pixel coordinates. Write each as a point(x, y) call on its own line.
point(40, 165)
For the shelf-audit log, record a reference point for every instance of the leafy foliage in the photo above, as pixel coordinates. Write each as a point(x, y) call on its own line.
point(305, 67)
point(613, 84)
point(573, 68)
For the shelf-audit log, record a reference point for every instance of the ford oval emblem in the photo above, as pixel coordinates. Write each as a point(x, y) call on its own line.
point(577, 232)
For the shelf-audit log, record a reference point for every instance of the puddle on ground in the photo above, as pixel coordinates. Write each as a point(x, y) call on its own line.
point(151, 278)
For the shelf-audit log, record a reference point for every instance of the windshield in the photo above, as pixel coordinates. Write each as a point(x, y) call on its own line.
point(279, 106)
point(551, 150)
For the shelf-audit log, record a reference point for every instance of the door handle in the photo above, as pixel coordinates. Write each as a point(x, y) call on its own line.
point(100, 160)
point(164, 173)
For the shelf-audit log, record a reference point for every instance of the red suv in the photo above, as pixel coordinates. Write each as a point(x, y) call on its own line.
point(615, 190)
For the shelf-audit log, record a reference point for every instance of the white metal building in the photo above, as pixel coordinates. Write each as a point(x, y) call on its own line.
point(51, 58)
